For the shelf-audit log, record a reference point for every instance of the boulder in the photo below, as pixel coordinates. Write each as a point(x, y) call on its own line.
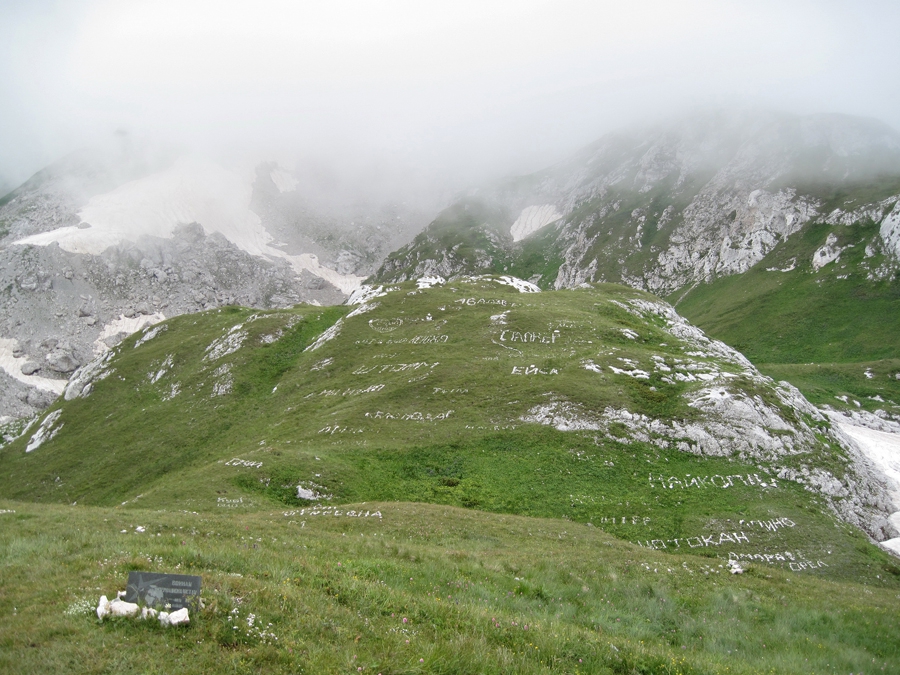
point(62, 361)
point(30, 367)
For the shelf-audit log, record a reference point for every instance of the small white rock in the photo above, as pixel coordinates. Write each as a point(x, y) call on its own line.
point(176, 618)
point(103, 608)
point(121, 608)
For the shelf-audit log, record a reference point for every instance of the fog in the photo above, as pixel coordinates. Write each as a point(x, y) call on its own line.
point(450, 92)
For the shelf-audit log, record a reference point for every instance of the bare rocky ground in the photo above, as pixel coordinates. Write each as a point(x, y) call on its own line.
point(62, 305)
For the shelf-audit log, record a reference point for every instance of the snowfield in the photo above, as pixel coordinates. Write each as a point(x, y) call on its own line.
point(193, 190)
point(13, 367)
point(883, 448)
point(532, 219)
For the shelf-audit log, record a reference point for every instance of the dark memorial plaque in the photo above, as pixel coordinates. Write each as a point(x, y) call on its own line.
point(158, 590)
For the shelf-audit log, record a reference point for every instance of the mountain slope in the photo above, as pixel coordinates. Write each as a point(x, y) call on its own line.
point(703, 198)
point(104, 242)
point(777, 234)
point(598, 405)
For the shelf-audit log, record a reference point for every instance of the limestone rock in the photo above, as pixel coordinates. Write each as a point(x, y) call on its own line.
point(30, 367)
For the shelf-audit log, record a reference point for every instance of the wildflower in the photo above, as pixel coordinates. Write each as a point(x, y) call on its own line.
point(404, 619)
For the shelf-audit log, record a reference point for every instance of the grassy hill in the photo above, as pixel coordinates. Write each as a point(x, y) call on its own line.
point(533, 456)
point(419, 589)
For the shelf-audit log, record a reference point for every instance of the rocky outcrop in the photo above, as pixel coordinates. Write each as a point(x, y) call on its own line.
point(780, 434)
point(102, 243)
point(668, 207)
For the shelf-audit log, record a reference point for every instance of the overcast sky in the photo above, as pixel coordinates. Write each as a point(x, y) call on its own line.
point(477, 86)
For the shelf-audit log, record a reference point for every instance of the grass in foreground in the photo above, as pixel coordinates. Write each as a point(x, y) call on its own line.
point(421, 589)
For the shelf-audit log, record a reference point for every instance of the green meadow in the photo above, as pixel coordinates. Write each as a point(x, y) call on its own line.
point(378, 489)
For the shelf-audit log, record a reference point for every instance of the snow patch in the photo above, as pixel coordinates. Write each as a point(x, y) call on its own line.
point(125, 326)
point(365, 292)
point(12, 366)
point(193, 190)
point(519, 284)
point(532, 219)
point(284, 181)
point(429, 282)
point(881, 447)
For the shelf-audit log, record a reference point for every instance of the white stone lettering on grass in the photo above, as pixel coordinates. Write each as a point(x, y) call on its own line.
point(472, 302)
point(796, 561)
point(350, 392)
point(395, 368)
point(772, 525)
point(336, 429)
point(227, 344)
point(697, 542)
point(243, 462)
point(625, 520)
point(455, 390)
point(800, 566)
point(2, 511)
point(385, 325)
point(324, 363)
point(528, 336)
point(410, 417)
point(716, 481)
point(332, 511)
point(533, 370)
point(416, 340)
point(224, 502)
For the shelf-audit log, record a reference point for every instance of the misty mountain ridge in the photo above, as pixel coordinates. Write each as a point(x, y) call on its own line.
point(108, 240)
point(668, 206)
point(104, 242)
